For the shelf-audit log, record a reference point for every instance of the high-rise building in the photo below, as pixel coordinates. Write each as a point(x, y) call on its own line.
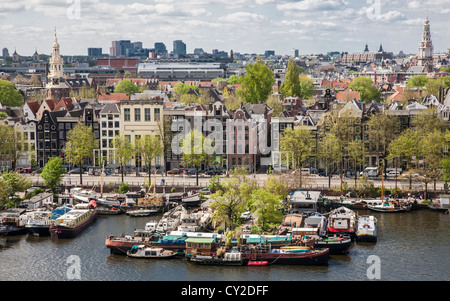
point(160, 48)
point(95, 52)
point(179, 47)
point(5, 52)
point(121, 48)
point(425, 56)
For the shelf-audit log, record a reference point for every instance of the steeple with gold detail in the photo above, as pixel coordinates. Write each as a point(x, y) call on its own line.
point(425, 56)
point(57, 88)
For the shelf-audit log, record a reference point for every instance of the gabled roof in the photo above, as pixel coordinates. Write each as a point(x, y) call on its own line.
point(113, 96)
point(347, 95)
point(110, 108)
point(65, 104)
point(33, 105)
point(416, 106)
point(50, 102)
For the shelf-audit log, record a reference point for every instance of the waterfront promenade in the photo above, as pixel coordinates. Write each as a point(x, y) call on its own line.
point(312, 182)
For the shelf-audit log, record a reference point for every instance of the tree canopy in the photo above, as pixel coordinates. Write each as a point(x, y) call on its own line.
point(256, 84)
point(126, 86)
point(9, 95)
point(366, 87)
point(79, 146)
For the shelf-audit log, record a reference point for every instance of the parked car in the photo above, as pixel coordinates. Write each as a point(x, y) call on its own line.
point(191, 171)
point(393, 173)
point(175, 171)
point(25, 170)
point(76, 170)
point(246, 215)
point(213, 172)
point(205, 191)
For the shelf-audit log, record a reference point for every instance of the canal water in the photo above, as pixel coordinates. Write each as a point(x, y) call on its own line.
point(411, 246)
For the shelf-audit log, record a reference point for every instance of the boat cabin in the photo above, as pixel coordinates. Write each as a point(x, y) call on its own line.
point(201, 246)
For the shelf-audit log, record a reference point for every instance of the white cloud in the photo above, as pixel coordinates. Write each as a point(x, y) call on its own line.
point(306, 5)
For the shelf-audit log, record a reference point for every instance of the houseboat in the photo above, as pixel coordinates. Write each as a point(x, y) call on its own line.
point(39, 222)
point(367, 229)
point(342, 221)
point(75, 221)
point(145, 252)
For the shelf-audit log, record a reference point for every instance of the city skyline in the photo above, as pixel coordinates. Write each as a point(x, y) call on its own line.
point(245, 26)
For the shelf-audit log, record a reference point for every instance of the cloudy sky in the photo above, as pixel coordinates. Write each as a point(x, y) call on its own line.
point(246, 26)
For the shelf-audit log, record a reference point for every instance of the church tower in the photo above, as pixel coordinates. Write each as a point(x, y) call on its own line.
point(425, 57)
point(56, 87)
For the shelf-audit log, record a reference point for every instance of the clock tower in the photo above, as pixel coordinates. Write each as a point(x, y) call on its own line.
point(425, 57)
point(57, 87)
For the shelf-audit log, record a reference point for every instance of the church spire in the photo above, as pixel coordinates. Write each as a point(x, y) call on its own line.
point(425, 56)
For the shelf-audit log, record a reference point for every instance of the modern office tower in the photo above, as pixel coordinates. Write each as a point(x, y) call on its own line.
point(179, 47)
point(95, 52)
point(160, 48)
point(5, 52)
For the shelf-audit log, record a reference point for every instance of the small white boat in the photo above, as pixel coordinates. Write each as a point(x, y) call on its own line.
point(143, 251)
point(389, 207)
point(367, 229)
point(83, 195)
point(142, 212)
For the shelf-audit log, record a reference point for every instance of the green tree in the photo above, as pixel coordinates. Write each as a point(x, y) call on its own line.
point(126, 86)
point(123, 151)
point(356, 155)
point(382, 130)
point(79, 146)
point(366, 88)
point(330, 152)
point(15, 182)
point(256, 84)
point(306, 87)
point(432, 151)
point(182, 90)
point(291, 86)
point(11, 146)
point(9, 95)
point(432, 86)
point(404, 150)
point(266, 208)
point(297, 147)
point(234, 80)
point(418, 81)
point(230, 201)
point(196, 151)
point(149, 147)
point(52, 173)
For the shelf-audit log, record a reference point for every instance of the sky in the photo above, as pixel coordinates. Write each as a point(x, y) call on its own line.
point(244, 26)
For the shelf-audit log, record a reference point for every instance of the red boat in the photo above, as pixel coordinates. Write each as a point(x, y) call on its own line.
point(342, 221)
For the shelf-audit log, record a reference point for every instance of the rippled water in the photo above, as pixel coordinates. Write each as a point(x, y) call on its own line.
point(411, 246)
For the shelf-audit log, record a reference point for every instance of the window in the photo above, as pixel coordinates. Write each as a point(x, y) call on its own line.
point(147, 114)
point(137, 114)
point(157, 114)
point(126, 113)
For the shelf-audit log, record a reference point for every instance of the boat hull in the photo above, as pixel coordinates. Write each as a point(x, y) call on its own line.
point(387, 210)
point(309, 258)
point(207, 260)
point(70, 232)
point(366, 237)
point(335, 246)
point(39, 230)
point(12, 231)
point(122, 246)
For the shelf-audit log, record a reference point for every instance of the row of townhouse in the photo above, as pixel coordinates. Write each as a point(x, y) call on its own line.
point(246, 137)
